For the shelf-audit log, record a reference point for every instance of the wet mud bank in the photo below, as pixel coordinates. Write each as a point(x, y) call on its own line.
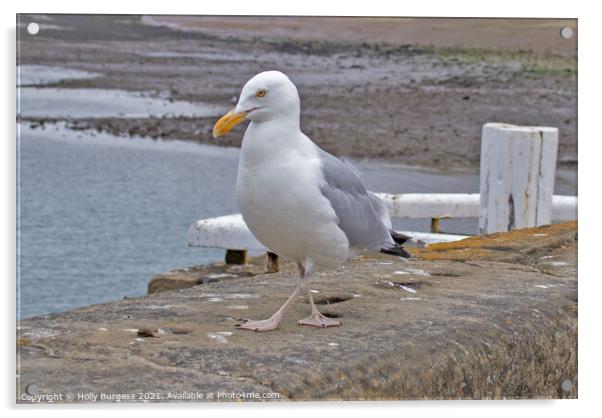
point(374, 98)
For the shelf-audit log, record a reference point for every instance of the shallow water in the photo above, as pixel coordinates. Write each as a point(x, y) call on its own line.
point(58, 103)
point(36, 101)
point(28, 75)
point(100, 215)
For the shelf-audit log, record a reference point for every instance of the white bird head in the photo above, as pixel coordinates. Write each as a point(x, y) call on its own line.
point(267, 96)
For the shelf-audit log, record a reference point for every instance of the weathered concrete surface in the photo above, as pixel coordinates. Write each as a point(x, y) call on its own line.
point(489, 317)
point(210, 273)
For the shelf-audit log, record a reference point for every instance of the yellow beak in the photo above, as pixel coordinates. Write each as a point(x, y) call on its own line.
point(227, 122)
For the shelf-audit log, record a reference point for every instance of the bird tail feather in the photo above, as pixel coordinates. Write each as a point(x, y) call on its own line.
point(396, 250)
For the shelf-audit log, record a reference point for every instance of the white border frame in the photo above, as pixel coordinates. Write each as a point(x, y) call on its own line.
point(589, 147)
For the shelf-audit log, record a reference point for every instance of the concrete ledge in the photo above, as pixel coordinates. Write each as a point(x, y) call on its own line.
point(500, 322)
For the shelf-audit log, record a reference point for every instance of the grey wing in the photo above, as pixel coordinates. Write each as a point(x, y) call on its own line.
point(381, 210)
point(359, 214)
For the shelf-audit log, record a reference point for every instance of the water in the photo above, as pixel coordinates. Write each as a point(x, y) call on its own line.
point(42, 74)
point(97, 103)
point(101, 215)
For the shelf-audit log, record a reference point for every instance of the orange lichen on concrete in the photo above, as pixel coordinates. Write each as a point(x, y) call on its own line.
point(500, 246)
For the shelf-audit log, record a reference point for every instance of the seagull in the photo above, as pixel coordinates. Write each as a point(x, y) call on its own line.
point(299, 201)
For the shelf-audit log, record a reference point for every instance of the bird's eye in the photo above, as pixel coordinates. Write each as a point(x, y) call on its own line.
point(261, 93)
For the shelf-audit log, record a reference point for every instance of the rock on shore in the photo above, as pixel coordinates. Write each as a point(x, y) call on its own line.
point(488, 317)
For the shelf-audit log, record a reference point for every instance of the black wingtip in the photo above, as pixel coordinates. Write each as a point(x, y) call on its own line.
point(398, 237)
point(398, 251)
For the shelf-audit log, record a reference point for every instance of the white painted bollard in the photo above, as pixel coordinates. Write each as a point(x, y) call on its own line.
point(518, 166)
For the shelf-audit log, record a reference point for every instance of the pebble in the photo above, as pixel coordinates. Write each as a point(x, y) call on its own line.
point(407, 288)
point(220, 275)
point(148, 333)
point(220, 336)
point(418, 272)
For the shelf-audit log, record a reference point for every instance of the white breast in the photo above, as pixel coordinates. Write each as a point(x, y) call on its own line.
point(278, 193)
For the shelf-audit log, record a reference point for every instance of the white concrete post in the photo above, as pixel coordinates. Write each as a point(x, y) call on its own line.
point(518, 166)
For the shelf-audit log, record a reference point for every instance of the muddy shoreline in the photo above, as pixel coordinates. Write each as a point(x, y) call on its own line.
point(411, 104)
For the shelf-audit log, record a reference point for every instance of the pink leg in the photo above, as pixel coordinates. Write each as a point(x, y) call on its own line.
point(316, 319)
point(273, 321)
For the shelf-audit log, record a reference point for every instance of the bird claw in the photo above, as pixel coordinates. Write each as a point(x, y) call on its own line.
point(259, 326)
point(318, 320)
